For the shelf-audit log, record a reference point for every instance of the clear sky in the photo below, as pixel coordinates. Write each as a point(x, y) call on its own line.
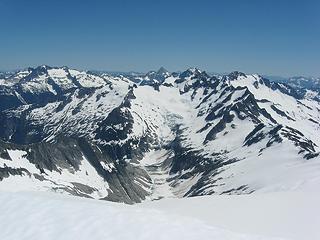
point(279, 37)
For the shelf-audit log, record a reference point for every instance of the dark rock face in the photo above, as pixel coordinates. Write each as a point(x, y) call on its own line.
point(68, 153)
point(8, 99)
point(219, 127)
point(252, 137)
point(6, 172)
point(281, 113)
point(234, 75)
point(121, 180)
point(18, 129)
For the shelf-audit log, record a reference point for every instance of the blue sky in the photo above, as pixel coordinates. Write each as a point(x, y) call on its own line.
point(269, 37)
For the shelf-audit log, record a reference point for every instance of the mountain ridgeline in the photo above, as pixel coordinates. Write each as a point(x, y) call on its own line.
point(135, 137)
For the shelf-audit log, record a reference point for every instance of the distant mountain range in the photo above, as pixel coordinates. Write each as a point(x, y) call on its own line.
point(130, 137)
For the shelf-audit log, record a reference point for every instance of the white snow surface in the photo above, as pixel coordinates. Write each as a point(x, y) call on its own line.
point(290, 215)
point(45, 216)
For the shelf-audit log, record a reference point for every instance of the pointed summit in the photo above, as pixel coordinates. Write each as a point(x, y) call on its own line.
point(190, 72)
point(162, 71)
point(235, 74)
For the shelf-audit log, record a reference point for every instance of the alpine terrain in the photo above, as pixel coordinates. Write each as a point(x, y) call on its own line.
point(135, 137)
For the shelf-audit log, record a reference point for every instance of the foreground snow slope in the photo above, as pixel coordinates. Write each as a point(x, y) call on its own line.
point(290, 215)
point(285, 215)
point(46, 216)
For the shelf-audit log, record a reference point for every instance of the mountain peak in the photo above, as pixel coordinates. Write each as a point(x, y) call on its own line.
point(235, 74)
point(189, 72)
point(43, 67)
point(194, 70)
point(162, 71)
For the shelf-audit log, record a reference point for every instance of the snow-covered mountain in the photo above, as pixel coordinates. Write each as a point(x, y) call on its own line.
point(312, 83)
point(309, 86)
point(161, 134)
